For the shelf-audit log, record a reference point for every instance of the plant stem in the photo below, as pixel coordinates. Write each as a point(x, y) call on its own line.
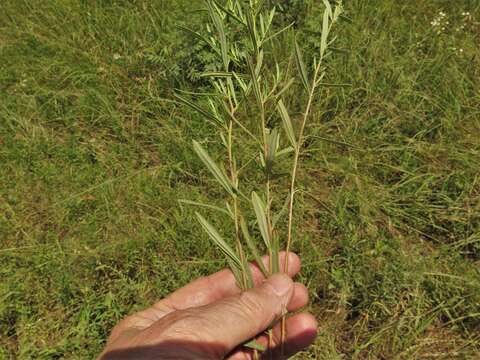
point(292, 186)
point(233, 176)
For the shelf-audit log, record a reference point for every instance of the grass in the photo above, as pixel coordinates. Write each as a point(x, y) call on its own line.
point(93, 158)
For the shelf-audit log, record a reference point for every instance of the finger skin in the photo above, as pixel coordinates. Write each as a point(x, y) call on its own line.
point(302, 330)
point(231, 321)
point(201, 292)
point(301, 333)
point(299, 298)
point(222, 284)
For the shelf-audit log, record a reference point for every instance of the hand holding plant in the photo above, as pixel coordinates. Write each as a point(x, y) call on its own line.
point(261, 140)
point(210, 317)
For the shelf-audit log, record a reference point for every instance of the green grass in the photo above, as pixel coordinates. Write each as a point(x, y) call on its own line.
point(93, 157)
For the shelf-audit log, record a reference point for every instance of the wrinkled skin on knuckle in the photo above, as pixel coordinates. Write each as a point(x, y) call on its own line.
point(251, 310)
point(193, 329)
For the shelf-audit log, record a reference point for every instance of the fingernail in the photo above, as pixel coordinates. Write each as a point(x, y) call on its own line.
point(280, 284)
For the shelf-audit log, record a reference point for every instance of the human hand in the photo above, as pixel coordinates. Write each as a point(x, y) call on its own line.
point(210, 318)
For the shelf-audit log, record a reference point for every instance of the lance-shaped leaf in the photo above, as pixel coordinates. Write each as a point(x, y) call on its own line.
point(301, 66)
point(219, 241)
point(328, 8)
point(325, 30)
point(252, 31)
point(272, 146)
point(216, 74)
point(252, 247)
point(255, 84)
point(275, 261)
point(201, 38)
point(258, 67)
point(287, 123)
point(219, 175)
point(247, 272)
point(284, 152)
point(207, 206)
point(255, 345)
point(197, 108)
point(259, 209)
point(338, 12)
point(279, 32)
point(241, 83)
point(285, 87)
point(229, 12)
point(217, 21)
point(237, 273)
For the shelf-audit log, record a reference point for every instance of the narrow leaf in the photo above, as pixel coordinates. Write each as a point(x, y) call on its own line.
point(252, 32)
point(197, 108)
point(325, 30)
point(201, 38)
point(219, 241)
point(247, 272)
point(237, 273)
point(255, 345)
point(259, 209)
point(255, 84)
point(272, 145)
point(275, 261)
point(252, 247)
point(217, 21)
point(279, 32)
point(287, 123)
point(285, 87)
point(285, 151)
point(228, 12)
point(334, 85)
point(216, 74)
point(219, 175)
point(241, 83)
point(258, 67)
point(328, 8)
point(208, 206)
point(301, 67)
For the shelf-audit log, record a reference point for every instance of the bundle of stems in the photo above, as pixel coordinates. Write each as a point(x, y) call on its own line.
point(245, 105)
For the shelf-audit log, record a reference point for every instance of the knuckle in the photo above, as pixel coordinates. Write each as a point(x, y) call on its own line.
point(194, 328)
point(252, 310)
point(188, 324)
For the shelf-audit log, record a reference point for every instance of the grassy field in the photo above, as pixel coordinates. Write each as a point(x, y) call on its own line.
point(94, 155)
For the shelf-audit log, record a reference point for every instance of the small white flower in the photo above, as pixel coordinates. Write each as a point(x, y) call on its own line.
point(116, 56)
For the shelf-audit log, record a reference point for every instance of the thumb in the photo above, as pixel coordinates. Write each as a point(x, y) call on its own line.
point(235, 320)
